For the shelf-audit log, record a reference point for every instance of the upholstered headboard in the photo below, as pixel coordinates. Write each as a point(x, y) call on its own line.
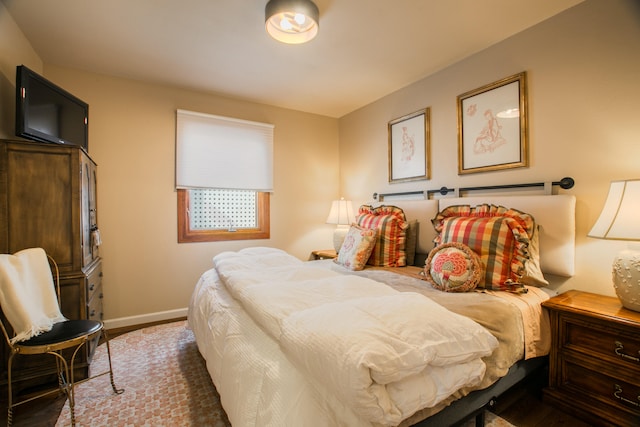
point(554, 214)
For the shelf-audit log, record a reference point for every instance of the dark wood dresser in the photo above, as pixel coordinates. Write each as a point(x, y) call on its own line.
point(48, 200)
point(594, 365)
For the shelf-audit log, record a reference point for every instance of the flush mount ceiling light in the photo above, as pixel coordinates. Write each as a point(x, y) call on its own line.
point(292, 21)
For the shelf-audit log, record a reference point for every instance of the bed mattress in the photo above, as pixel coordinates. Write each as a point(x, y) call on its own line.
point(261, 386)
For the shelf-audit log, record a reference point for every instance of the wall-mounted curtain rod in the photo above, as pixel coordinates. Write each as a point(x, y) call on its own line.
point(565, 183)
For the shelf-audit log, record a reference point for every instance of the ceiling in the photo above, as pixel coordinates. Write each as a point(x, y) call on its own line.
point(365, 49)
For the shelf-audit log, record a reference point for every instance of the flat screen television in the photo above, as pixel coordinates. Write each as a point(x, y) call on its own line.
point(45, 112)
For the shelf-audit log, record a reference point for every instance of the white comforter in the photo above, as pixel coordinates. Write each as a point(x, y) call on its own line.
point(384, 354)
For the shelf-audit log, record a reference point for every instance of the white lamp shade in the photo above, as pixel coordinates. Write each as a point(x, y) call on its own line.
point(619, 221)
point(341, 212)
point(619, 217)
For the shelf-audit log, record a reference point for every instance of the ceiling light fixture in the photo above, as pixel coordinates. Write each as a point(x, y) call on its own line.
point(292, 21)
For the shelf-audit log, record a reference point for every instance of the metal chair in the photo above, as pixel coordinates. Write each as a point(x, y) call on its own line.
point(65, 334)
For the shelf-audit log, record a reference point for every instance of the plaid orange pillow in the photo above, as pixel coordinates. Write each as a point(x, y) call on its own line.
point(391, 223)
point(500, 236)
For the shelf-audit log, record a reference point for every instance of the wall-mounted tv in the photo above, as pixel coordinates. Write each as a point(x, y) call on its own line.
point(45, 112)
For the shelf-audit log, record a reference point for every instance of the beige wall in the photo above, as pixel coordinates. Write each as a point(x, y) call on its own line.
point(583, 68)
point(132, 138)
point(14, 50)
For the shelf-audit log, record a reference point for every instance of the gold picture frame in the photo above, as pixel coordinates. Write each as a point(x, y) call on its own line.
point(409, 145)
point(493, 126)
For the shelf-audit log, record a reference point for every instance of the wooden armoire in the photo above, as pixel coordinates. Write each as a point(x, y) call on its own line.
point(48, 200)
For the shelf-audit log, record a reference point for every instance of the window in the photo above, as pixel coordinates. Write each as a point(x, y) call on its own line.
point(224, 176)
point(209, 215)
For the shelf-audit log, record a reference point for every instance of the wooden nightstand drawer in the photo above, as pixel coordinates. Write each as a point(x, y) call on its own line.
point(588, 382)
point(594, 366)
point(619, 346)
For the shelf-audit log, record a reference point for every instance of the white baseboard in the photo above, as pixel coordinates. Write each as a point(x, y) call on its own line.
point(122, 322)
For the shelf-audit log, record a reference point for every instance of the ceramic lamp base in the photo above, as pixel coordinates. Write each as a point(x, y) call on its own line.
point(338, 236)
point(626, 278)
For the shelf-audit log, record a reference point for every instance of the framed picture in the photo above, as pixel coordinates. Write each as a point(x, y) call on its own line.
point(409, 140)
point(492, 126)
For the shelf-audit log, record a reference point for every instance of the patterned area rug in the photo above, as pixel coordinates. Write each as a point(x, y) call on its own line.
point(166, 383)
point(491, 420)
point(164, 378)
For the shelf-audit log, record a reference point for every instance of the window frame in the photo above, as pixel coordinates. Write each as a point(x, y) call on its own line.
point(187, 235)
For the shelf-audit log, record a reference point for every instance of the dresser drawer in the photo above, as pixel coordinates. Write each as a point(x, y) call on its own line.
point(601, 340)
point(94, 308)
point(94, 282)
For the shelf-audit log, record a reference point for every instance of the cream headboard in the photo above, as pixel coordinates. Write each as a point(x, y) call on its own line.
point(554, 214)
point(423, 211)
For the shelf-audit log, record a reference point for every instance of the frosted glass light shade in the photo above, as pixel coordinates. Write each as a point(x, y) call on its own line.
point(292, 21)
point(619, 221)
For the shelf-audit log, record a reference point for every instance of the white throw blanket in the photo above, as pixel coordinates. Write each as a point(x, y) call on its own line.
point(27, 293)
point(384, 353)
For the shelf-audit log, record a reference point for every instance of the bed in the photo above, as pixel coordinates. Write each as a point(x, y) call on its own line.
point(290, 342)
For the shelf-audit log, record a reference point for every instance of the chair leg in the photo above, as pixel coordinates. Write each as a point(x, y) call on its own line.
point(65, 381)
point(71, 373)
point(10, 391)
point(113, 384)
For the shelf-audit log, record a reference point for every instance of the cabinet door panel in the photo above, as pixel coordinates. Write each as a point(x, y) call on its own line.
point(39, 188)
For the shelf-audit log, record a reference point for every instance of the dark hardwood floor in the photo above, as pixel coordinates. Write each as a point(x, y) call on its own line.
point(43, 412)
point(522, 406)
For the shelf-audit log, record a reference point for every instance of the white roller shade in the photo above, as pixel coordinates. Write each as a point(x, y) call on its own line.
point(221, 152)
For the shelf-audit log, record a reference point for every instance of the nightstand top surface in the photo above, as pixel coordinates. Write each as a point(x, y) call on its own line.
point(592, 304)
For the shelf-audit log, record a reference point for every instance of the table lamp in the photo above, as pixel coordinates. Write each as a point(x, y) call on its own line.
point(619, 220)
point(342, 215)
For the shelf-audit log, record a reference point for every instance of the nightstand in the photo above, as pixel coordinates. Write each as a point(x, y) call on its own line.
point(594, 363)
point(322, 254)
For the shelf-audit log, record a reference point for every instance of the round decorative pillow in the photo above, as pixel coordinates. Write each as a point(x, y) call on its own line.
point(453, 267)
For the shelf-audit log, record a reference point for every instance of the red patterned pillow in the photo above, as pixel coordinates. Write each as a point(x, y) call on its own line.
point(390, 221)
point(500, 236)
point(453, 267)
